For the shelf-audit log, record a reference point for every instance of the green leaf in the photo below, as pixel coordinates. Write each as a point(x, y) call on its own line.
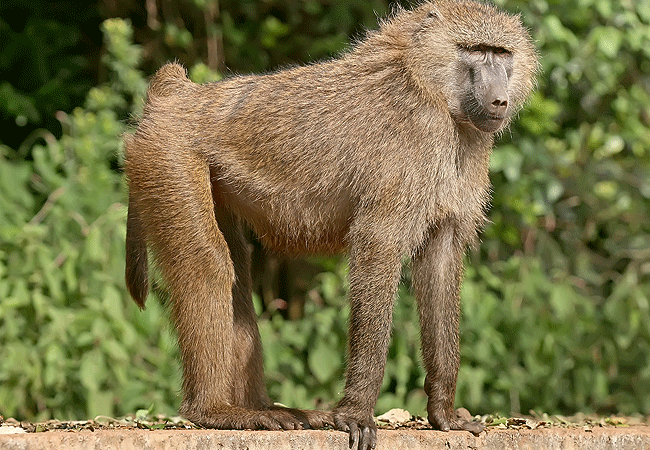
point(100, 403)
point(324, 362)
point(608, 40)
point(272, 29)
point(92, 370)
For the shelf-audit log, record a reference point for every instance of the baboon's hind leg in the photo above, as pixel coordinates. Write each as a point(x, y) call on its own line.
point(177, 213)
point(248, 386)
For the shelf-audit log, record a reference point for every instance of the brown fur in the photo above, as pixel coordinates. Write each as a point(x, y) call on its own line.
point(373, 152)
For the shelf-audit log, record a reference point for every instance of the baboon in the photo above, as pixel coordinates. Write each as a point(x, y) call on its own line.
point(382, 152)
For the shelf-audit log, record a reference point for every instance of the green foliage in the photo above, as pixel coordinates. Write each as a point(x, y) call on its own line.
point(556, 314)
point(566, 256)
point(259, 36)
point(70, 347)
point(42, 69)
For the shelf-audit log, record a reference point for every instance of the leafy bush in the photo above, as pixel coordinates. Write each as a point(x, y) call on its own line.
point(70, 348)
point(42, 67)
point(567, 252)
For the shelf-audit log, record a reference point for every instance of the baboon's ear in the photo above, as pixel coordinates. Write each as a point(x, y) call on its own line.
point(430, 19)
point(432, 15)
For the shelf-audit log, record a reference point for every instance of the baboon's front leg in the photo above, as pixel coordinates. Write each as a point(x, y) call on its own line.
point(437, 271)
point(375, 268)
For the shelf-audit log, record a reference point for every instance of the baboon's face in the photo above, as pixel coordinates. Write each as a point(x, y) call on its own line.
point(485, 73)
point(481, 61)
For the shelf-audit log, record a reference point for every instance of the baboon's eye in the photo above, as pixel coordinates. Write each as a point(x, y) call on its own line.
point(484, 48)
point(432, 14)
point(481, 48)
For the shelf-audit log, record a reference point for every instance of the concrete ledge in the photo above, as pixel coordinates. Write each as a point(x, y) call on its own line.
point(598, 438)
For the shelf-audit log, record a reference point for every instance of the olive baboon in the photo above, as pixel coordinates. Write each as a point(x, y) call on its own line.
point(382, 152)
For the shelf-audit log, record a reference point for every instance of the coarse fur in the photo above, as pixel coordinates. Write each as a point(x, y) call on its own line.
point(382, 153)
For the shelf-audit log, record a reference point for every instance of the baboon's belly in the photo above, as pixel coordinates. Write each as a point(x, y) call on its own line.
point(288, 221)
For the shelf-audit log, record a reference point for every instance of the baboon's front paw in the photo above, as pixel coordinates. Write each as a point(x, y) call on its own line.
point(363, 431)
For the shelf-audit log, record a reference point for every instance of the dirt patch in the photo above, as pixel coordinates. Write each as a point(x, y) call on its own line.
point(159, 422)
point(395, 419)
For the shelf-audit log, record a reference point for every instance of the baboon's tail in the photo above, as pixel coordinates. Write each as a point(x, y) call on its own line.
point(137, 272)
point(166, 80)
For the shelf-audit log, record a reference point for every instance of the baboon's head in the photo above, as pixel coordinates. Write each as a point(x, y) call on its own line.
point(480, 59)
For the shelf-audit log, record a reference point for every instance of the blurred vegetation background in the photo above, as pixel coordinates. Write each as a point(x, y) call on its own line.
point(556, 315)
